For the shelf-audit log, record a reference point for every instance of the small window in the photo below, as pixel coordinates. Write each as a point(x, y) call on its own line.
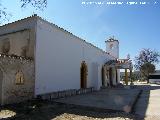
point(19, 78)
point(111, 46)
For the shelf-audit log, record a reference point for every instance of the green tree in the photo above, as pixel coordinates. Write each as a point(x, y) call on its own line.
point(147, 68)
point(145, 62)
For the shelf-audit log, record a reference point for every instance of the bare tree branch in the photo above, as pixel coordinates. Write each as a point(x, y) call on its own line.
point(4, 14)
point(146, 56)
point(145, 62)
point(38, 4)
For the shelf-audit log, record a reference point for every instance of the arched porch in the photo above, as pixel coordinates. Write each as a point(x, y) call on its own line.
point(112, 71)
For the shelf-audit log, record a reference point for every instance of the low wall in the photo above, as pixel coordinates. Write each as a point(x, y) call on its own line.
point(65, 93)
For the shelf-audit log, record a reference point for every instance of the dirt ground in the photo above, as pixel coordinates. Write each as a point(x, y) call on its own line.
point(43, 110)
point(119, 99)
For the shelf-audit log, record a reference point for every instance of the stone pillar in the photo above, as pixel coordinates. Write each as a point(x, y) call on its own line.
point(131, 75)
point(126, 77)
point(105, 75)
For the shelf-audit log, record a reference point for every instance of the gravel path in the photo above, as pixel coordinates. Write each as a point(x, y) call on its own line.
point(115, 116)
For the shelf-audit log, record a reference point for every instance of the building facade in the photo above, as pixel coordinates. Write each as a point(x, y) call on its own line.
point(57, 60)
point(154, 77)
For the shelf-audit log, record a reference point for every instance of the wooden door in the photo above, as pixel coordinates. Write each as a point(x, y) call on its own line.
point(83, 73)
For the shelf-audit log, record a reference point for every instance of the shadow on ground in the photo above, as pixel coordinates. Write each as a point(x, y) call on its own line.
point(142, 102)
point(44, 110)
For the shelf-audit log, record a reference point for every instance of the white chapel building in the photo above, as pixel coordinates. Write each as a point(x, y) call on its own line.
point(38, 57)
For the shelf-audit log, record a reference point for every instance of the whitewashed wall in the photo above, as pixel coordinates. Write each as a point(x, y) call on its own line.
point(58, 59)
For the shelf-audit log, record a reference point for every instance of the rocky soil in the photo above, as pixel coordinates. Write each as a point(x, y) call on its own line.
point(42, 110)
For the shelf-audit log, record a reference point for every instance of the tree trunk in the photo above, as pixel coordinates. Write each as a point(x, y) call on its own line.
point(147, 80)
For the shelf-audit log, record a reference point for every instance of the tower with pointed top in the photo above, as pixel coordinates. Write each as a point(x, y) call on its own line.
point(112, 47)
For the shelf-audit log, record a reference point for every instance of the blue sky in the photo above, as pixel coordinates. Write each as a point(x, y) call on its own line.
point(135, 26)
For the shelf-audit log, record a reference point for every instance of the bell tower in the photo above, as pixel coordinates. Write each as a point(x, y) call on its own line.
point(112, 47)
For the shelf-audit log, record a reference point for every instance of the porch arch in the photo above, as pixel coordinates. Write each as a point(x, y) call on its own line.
point(103, 75)
point(83, 75)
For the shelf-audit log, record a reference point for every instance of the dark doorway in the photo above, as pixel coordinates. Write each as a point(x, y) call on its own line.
point(102, 74)
point(110, 77)
point(84, 73)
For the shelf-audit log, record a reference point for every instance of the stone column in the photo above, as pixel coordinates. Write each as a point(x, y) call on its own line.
point(126, 77)
point(105, 79)
point(131, 75)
